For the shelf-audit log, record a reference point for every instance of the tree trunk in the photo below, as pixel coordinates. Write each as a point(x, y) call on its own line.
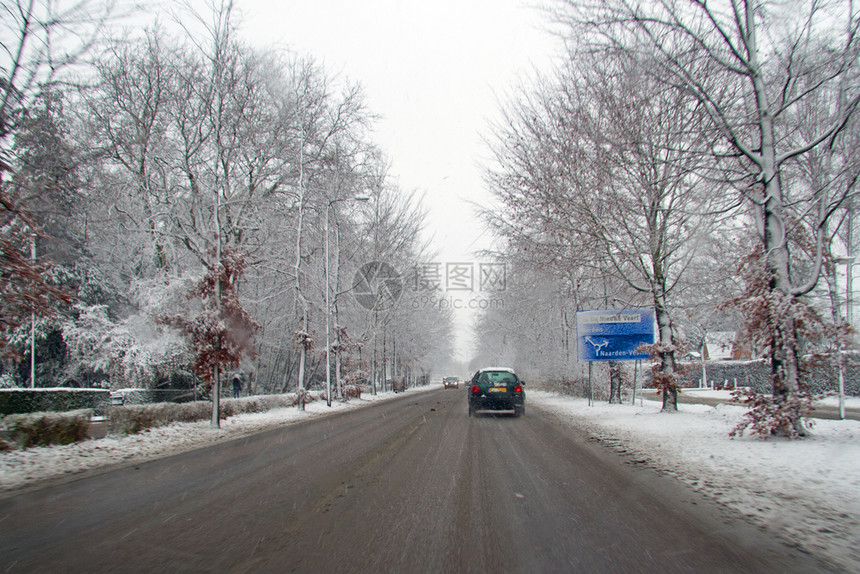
point(666, 374)
point(785, 359)
point(300, 384)
point(785, 368)
point(337, 380)
point(216, 399)
point(615, 380)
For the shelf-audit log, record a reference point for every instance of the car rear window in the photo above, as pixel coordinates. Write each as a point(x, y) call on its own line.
point(494, 377)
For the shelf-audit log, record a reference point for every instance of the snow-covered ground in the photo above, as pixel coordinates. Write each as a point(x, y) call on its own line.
point(805, 492)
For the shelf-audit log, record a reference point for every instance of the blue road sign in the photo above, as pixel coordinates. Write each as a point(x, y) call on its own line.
point(613, 334)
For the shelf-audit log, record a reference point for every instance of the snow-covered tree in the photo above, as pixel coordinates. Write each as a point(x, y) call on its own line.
point(754, 68)
point(220, 331)
point(41, 39)
point(597, 169)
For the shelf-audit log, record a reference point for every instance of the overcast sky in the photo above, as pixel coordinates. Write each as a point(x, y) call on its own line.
point(435, 72)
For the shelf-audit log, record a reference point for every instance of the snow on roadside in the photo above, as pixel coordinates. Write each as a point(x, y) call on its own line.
point(806, 492)
point(22, 468)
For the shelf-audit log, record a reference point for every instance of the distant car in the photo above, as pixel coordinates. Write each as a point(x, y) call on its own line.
point(497, 389)
point(451, 383)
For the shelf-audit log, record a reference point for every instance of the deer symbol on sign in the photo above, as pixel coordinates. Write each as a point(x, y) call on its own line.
point(598, 345)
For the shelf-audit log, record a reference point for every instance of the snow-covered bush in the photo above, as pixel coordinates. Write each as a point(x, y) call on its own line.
point(351, 391)
point(43, 429)
point(133, 352)
point(303, 397)
point(7, 381)
point(257, 404)
point(767, 417)
point(15, 401)
point(133, 419)
point(577, 387)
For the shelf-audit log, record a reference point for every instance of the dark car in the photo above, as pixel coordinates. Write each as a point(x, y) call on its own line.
point(451, 383)
point(497, 389)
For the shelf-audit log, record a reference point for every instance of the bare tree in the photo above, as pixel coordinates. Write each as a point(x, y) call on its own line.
point(128, 113)
point(39, 41)
point(752, 66)
point(606, 159)
point(190, 144)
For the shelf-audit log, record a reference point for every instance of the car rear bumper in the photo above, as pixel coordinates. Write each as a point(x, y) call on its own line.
point(485, 403)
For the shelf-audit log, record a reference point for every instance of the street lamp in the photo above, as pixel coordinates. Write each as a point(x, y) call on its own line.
point(327, 301)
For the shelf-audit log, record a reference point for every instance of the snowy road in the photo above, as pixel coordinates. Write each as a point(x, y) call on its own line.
point(407, 485)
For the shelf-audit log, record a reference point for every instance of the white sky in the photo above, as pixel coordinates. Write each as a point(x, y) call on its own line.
point(435, 72)
point(431, 70)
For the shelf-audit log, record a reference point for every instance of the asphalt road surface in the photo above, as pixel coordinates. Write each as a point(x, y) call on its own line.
point(408, 485)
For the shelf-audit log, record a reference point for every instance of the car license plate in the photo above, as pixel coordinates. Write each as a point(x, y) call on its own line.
point(498, 389)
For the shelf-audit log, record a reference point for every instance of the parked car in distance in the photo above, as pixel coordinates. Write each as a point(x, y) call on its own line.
point(451, 383)
point(497, 389)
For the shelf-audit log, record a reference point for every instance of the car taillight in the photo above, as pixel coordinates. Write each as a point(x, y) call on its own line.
point(518, 388)
point(476, 389)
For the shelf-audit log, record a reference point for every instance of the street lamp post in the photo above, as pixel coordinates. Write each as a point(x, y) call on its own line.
point(327, 297)
point(849, 265)
point(33, 324)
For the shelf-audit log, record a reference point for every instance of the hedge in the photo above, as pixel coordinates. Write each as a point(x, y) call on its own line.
point(46, 428)
point(16, 401)
point(43, 429)
point(820, 379)
point(130, 419)
point(147, 396)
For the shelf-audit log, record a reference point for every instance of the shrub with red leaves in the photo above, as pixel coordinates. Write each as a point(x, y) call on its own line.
point(351, 392)
point(767, 417)
point(664, 375)
point(223, 331)
point(303, 397)
point(781, 325)
point(303, 339)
